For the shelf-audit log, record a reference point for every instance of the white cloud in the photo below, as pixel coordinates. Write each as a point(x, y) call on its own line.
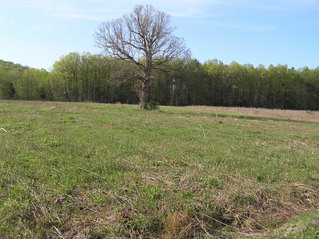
point(280, 4)
point(47, 27)
point(99, 10)
point(253, 28)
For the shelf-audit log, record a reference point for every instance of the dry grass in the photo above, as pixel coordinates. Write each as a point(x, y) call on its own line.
point(304, 115)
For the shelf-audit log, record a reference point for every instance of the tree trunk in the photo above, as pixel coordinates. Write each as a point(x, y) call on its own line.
point(145, 95)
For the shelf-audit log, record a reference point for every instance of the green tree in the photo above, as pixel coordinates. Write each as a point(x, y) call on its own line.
point(214, 74)
point(67, 73)
point(311, 83)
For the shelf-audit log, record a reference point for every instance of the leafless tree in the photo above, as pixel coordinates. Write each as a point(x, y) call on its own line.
point(143, 38)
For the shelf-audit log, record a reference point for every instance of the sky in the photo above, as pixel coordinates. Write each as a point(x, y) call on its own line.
point(37, 33)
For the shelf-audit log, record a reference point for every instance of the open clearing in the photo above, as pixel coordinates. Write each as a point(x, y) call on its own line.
point(85, 170)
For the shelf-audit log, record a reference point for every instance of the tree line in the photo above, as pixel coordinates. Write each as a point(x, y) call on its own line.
point(97, 78)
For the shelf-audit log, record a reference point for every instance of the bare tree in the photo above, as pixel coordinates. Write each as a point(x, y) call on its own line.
point(143, 38)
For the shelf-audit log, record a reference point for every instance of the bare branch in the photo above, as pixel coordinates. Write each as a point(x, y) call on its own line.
point(144, 38)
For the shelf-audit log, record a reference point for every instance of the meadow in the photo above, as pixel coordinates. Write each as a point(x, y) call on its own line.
point(87, 170)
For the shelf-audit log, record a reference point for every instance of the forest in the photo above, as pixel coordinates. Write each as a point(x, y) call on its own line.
point(96, 78)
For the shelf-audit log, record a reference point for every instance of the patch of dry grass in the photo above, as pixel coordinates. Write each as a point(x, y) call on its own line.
point(304, 115)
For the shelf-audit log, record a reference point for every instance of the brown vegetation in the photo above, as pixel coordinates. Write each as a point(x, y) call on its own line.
point(306, 115)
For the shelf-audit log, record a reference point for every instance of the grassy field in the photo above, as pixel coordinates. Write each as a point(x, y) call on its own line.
point(84, 170)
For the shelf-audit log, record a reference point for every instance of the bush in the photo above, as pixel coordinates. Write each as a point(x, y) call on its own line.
point(153, 105)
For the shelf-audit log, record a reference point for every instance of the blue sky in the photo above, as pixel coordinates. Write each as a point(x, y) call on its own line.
point(37, 33)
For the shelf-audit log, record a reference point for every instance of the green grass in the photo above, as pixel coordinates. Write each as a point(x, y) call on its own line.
point(113, 171)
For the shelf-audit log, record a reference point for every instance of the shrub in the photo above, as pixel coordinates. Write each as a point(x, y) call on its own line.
point(153, 105)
